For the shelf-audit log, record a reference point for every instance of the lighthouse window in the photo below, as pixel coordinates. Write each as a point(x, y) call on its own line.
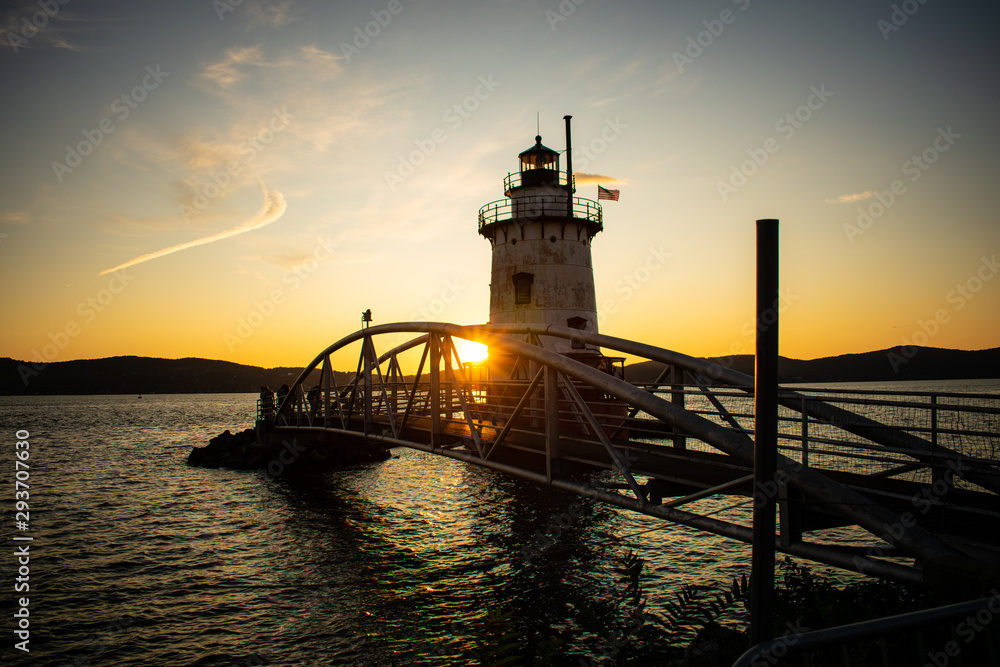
point(522, 287)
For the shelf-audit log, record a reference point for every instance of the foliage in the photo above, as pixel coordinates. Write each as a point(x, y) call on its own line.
point(805, 598)
point(698, 606)
point(497, 639)
point(617, 628)
point(501, 641)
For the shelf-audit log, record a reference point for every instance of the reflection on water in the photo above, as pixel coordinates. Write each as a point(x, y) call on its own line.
point(138, 559)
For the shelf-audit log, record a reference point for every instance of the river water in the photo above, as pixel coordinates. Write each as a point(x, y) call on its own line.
point(138, 559)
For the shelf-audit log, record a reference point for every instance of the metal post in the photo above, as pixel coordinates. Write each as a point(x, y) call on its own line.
point(934, 420)
point(327, 375)
point(367, 351)
point(765, 434)
point(677, 398)
point(805, 433)
point(447, 401)
point(551, 423)
point(938, 472)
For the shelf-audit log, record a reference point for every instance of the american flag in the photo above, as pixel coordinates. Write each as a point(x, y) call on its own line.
point(603, 193)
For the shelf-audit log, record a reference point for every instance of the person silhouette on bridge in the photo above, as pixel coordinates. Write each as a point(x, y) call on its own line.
point(266, 402)
point(313, 397)
point(282, 393)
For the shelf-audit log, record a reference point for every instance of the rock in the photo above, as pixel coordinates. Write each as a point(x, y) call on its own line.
point(241, 451)
point(225, 450)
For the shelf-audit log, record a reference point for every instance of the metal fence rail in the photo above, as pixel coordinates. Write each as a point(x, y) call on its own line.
point(971, 640)
point(968, 425)
point(538, 206)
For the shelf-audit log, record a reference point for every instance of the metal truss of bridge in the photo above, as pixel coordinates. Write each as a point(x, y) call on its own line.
point(915, 475)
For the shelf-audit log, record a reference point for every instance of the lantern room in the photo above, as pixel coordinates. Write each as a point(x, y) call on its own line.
point(539, 165)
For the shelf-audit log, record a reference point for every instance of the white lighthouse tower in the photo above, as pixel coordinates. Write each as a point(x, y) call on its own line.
point(541, 234)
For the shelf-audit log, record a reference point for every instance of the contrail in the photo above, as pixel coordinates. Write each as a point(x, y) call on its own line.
point(273, 208)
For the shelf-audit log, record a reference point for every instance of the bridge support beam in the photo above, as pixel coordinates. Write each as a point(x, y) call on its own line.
point(434, 343)
point(368, 353)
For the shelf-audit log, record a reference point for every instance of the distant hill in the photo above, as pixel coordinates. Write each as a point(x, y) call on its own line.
point(897, 363)
point(146, 375)
point(142, 375)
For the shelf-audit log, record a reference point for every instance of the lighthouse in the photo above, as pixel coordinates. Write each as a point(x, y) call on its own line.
point(541, 234)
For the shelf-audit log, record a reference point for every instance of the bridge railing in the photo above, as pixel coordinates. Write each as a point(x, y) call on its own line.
point(921, 638)
point(966, 424)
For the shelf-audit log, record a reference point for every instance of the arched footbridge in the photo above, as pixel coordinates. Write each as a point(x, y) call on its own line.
point(918, 473)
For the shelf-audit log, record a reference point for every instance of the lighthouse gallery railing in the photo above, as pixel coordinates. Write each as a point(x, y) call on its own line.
point(540, 206)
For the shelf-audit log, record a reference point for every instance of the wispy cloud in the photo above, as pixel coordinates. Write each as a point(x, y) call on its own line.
point(850, 198)
point(273, 208)
point(233, 67)
point(15, 217)
point(59, 30)
point(584, 178)
point(239, 63)
point(270, 13)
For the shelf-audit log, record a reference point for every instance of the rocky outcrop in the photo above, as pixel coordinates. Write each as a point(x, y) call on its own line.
point(242, 451)
point(228, 450)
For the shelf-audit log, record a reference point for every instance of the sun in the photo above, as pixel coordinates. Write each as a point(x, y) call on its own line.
point(469, 351)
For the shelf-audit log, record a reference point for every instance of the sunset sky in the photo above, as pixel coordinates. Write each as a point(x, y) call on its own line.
point(265, 171)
